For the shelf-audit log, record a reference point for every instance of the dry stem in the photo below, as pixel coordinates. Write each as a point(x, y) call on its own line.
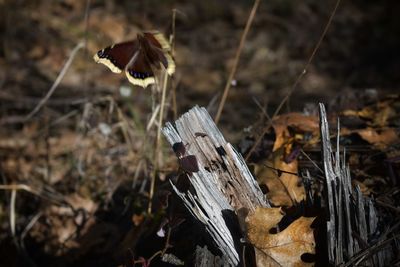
point(236, 61)
point(314, 52)
point(57, 81)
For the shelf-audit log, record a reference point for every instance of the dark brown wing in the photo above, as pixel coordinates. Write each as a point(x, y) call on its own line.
point(157, 39)
point(139, 72)
point(159, 50)
point(154, 54)
point(117, 56)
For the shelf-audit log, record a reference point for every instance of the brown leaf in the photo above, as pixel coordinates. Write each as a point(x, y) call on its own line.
point(137, 219)
point(284, 248)
point(299, 121)
point(280, 177)
point(380, 139)
point(378, 114)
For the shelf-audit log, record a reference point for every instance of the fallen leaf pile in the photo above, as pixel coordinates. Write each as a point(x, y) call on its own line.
point(381, 121)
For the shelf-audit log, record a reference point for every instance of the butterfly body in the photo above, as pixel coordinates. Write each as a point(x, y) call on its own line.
point(138, 58)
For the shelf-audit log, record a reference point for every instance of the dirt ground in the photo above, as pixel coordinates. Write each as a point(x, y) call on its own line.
point(75, 174)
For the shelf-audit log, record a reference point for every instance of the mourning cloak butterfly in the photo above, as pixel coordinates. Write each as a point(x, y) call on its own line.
point(138, 58)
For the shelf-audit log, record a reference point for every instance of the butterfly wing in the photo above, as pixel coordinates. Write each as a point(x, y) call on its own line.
point(117, 57)
point(161, 50)
point(139, 71)
point(138, 57)
point(157, 39)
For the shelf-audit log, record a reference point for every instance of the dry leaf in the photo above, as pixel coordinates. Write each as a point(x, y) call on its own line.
point(305, 123)
point(137, 219)
point(279, 175)
point(380, 139)
point(284, 248)
point(285, 187)
point(378, 114)
point(300, 122)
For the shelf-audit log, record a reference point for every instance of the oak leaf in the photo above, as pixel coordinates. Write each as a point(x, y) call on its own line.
point(283, 248)
point(298, 121)
point(279, 172)
point(284, 186)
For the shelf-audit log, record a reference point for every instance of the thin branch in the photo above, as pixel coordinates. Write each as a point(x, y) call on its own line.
point(12, 211)
point(369, 251)
point(263, 110)
point(18, 187)
point(158, 141)
point(174, 105)
point(312, 161)
point(236, 61)
point(301, 75)
point(57, 81)
point(314, 52)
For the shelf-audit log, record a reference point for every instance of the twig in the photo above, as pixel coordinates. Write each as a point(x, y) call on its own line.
point(40, 193)
point(174, 105)
point(167, 245)
point(368, 252)
point(160, 252)
point(153, 117)
point(281, 182)
point(30, 225)
point(57, 81)
point(312, 161)
point(85, 56)
point(282, 171)
point(18, 187)
point(383, 204)
point(264, 112)
point(158, 141)
point(236, 61)
point(86, 19)
point(314, 52)
point(12, 211)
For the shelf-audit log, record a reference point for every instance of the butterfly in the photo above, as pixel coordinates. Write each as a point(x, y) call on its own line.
point(139, 58)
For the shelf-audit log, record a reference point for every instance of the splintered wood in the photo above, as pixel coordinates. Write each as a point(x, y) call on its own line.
point(352, 217)
point(223, 182)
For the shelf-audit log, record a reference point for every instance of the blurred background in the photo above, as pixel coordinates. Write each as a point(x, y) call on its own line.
point(85, 156)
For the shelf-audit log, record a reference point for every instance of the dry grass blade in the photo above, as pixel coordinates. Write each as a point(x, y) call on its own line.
point(57, 81)
point(153, 118)
point(236, 61)
point(12, 211)
point(301, 75)
point(173, 36)
point(158, 140)
point(362, 256)
point(19, 187)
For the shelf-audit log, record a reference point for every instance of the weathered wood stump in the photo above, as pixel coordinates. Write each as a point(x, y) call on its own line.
point(224, 185)
point(223, 182)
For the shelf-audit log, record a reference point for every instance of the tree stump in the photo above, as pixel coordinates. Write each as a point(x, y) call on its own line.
point(222, 185)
